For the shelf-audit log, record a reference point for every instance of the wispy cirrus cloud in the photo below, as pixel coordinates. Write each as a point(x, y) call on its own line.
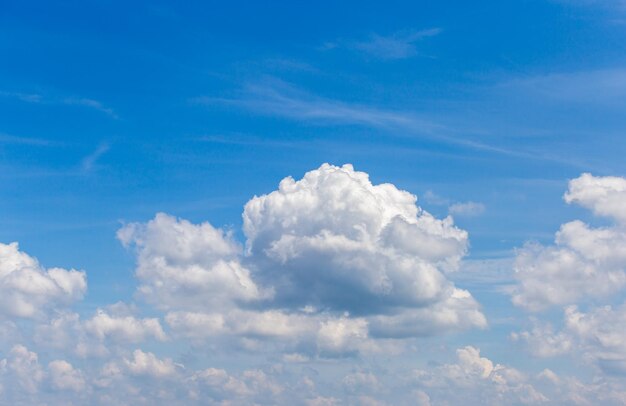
point(67, 101)
point(280, 99)
point(597, 86)
point(14, 139)
point(399, 45)
point(460, 209)
point(89, 162)
point(25, 97)
point(609, 4)
point(277, 98)
point(467, 209)
point(91, 103)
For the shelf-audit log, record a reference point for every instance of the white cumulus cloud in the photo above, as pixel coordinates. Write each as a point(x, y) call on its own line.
point(98, 335)
point(335, 241)
point(63, 376)
point(604, 195)
point(29, 290)
point(474, 379)
point(330, 261)
point(584, 262)
point(183, 265)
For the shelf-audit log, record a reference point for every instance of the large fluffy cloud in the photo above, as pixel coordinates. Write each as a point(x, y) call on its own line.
point(330, 250)
point(333, 240)
point(28, 290)
point(584, 262)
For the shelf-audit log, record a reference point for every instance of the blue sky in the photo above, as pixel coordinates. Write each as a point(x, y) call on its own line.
point(113, 112)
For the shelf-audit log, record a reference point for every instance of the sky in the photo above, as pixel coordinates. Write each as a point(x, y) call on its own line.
point(328, 203)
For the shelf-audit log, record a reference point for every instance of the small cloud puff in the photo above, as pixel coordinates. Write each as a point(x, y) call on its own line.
point(28, 290)
point(467, 209)
point(400, 45)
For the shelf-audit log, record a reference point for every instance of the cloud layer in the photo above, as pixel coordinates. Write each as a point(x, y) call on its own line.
point(334, 274)
point(584, 274)
point(331, 262)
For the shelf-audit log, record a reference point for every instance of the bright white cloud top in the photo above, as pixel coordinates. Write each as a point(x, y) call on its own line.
point(333, 270)
point(585, 262)
point(334, 242)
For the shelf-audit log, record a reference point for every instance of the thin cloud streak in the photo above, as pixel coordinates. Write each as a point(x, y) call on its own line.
point(614, 5)
point(400, 45)
point(280, 99)
point(89, 162)
point(25, 97)
point(94, 104)
point(601, 86)
point(486, 274)
point(289, 102)
point(13, 139)
point(68, 101)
